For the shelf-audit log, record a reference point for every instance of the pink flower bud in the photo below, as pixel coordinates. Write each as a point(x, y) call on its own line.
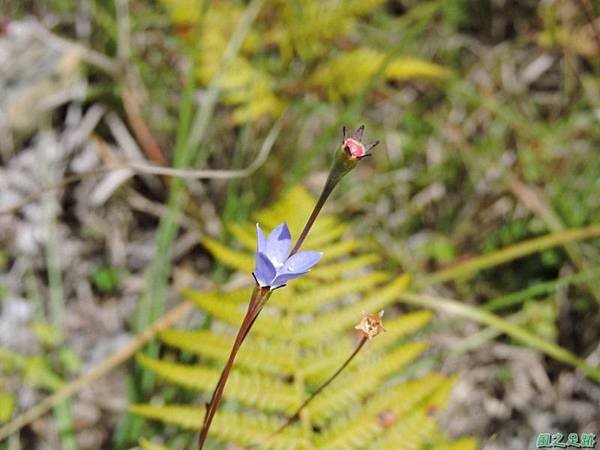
point(354, 148)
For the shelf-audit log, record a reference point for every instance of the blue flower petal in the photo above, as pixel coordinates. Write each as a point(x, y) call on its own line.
point(283, 278)
point(261, 240)
point(264, 270)
point(278, 244)
point(295, 266)
point(301, 262)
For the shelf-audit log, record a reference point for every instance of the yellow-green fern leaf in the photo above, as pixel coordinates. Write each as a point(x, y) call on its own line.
point(147, 445)
point(351, 389)
point(248, 429)
point(459, 444)
point(326, 325)
point(327, 272)
point(269, 323)
point(187, 417)
point(231, 258)
point(402, 326)
point(334, 354)
point(260, 391)
point(413, 432)
point(324, 294)
point(355, 430)
point(259, 354)
point(349, 73)
point(243, 429)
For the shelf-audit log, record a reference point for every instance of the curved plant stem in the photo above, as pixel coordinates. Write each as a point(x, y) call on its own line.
point(257, 301)
point(332, 181)
point(296, 416)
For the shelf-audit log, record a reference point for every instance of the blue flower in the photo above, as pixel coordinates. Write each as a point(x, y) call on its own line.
point(274, 267)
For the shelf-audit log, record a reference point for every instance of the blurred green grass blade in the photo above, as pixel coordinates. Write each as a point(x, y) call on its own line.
point(153, 299)
point(64, 423)
point(154, 294)
point(197, 151)
point(540, 289)
point(188, 151)
point(512, 330)
point(472, 266)
point(62, 412)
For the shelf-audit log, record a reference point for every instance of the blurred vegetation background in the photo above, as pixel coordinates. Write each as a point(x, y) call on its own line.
point(488, 115)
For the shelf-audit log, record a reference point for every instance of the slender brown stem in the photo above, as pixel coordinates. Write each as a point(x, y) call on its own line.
point(259, 297)
point(296, 416)
point(332, 180)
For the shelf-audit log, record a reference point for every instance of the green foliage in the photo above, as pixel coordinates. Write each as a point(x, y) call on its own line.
point(312, 34)
point(300, 339)
point(363, 64)
point(106, 279)
point(7, 405)
point(48, 335)
point(147, 445)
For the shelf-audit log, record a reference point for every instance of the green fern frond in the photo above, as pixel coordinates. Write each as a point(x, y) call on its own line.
point(346, 392)
point(243, 429)
point(413, 432)
point(314, 25)
point(253, 83)
point(342, 248)
point(256, 390)
point(366, 423)
point(459, 444)
point(186, 417)
point(248, 429)
point(331, 234)
point(246, 236)
point(349, 73)
point(331, 271)
point(261, 354)
point(292, 208)
point(235, 297)
point(323, 359)
point(147, 445)
point(323, 295)
point(418, 428)
point(301, 337)
point(327, 325)
point(270, 323)
point(402, 326)
point(233, 259)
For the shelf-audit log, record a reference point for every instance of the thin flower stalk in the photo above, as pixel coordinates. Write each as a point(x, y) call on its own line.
point(346, 158)
point(296, 415)
point(275, 264)
point(370, 326)
point(257, 301)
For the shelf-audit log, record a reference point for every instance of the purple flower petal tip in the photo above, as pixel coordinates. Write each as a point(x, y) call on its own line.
point(261, 240)
point(302, 261)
